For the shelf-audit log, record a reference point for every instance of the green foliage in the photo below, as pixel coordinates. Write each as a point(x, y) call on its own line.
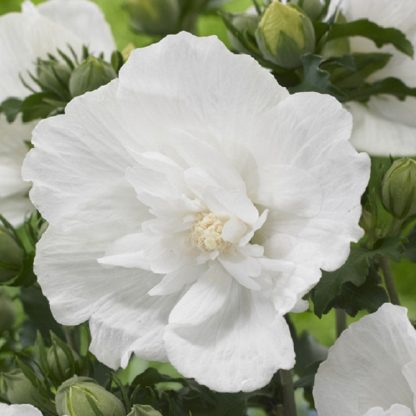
point(327, 66)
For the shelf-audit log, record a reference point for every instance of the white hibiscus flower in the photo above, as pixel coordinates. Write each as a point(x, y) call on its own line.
point(19, 410)
point(371, 369)
point(24, 37)
point(192, 203)
point(385, 126)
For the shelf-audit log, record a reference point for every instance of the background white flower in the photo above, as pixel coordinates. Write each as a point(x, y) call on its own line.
point(386, 126)
point(24, 37)
point(19, 410)
point(370, 371)
point(192, 202)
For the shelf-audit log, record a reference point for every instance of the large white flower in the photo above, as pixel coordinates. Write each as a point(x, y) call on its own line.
point(24, 37)
point(19, 410)
point(192, 202)
point(371, 369)
point(385, 126)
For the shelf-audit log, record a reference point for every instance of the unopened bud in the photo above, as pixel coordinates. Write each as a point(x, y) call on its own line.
point(90, 75)
point(53, 75)
point(284, 34)
point(399, 189)
point(16, 388)
point(154, 17)
point(246, 24)
point(61, 360)
point(81, 396)
point(313, 8)
point(143, 410)
point(11, 257)
point(7, 313)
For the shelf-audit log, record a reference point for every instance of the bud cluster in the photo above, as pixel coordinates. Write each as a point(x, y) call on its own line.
point(163, 17)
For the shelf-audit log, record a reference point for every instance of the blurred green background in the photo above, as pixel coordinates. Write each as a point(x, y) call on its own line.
point(118, 20)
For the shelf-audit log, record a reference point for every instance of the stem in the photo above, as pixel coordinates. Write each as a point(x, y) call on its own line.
point(288, 393)
point(340, 321)
point(389, 280)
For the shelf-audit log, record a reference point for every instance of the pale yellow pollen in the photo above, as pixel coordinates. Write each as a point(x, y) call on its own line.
point(206, 233)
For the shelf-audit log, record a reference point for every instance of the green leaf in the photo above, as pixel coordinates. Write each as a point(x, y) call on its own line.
point(351, 71)
point(37, 106)
point(334, 287)
point(388, 86)
point(379, 35)
point(314, 77)
point(369, 296)
point(355, 270)
point(11, 108)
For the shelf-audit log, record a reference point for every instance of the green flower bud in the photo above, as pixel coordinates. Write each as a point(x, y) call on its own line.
point(16, 388)
point(154, 17)
point(313, 8)
point(81, 396)
point(7, 313)
point(62, 361)
point(11, 257)
point(399, 189)
point(284, 34)
point(245, 23)
point(53, 76)
point(90, 75)
point(143, 410)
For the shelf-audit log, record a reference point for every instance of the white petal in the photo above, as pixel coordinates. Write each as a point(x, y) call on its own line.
point(19, 410)
point(409, 373)
point(123, 317)
point(14, 201)
point(395, 410)
point(244, 269)
point(84, 19)
point(203, 105)
point(130, 321)
point(238, 348)
point(175, 281)
point(203, 300)
point(78, 166)
point(380, 136)
point(352, 380)
point(288, 189)
point(233, 230)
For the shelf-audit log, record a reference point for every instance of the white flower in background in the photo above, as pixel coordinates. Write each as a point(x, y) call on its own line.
point(24, 37)
point(192, 203)
point(371, 369)
point(385, 126)
point(19, 410)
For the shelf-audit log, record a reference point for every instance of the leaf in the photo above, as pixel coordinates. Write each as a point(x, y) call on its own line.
point(369, 296)
point(355, 270)
point(36, 106)
point(334, 287)
point(11, 108)
point(351, 70)
point(379, 35)
point(314, 77)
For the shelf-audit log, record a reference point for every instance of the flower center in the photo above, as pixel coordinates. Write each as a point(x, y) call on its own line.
point(206, 233)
